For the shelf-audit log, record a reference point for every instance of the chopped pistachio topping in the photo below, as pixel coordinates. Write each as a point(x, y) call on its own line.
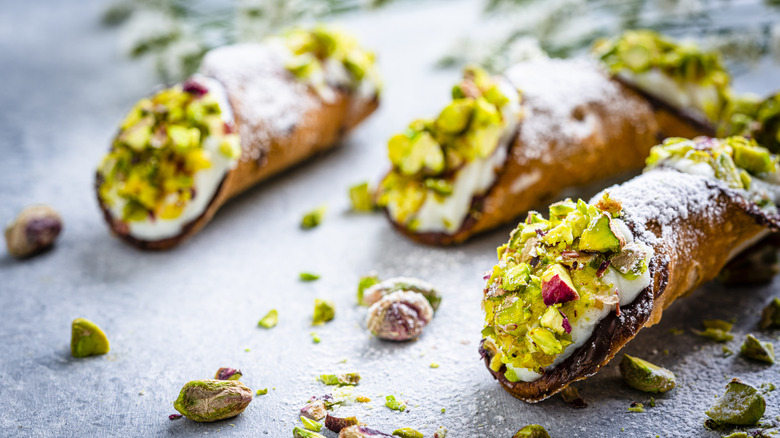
point(311, 424)
point(733, 160)
point(365, 282)
point(315, 51)
point(407, 432)
point(161, 145)
point(340, 379)
point(324, 311)
point(748, 115)
point(269, 320)
point(717, 330)
point(741, 405)
point(770, 316)
point(549, 274)
point(308, 276)
point(427, 156)
point(313, 218)
point(394, 404)
point(532, 431)
point(361, 197)
point(643, 51)
point(87, 339)
point(754, 349)
point(644, 376)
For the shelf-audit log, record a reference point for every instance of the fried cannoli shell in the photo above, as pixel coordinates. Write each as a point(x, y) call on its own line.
point(265, 153)
point(712, 225)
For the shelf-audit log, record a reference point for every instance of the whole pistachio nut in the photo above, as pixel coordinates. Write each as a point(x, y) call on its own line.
point(300, 432)
point(34, 230)
point(407, 432)
point(211, 400)
point(770, 316)
point(374, 293)
point(361, 432)
point(754, 349)
point(399, 316)
point(228, 374)
point(335, 424)
point(741, 405)
point(87, 339)
point(644, 376)
point(532, 431)
point(315, 410)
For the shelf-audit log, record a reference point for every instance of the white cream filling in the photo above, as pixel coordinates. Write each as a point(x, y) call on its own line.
point(681, 95)
point(205, 181)
point(447, 213)
point(582, 328)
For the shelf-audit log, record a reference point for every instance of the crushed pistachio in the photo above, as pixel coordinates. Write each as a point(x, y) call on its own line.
point(299, 432)
point(770, 316)
point(315, 338)
point(737, 434)
point(427, 155)
point(226, 373)
point(313, 218)
point(636, 407)
point(336, 424)
point(308, 276)
point(544, 282)
point(87, 339)
point(269, 320)
point(767, 387)
point(393, 404)
point(441, 432)
point(532, 431)
point(364, 283)
point(741, 405)
point(324, 311)
point(149, 171)
point(340, 379)
point(727, 351)
point(757, 350)
point(638, 52)
point(676, 331)
point(717, 330)
point(434, 365)
point(407, 432)
point(361, 197)
point(644, 376)
point(751, 116)
point(263, 391)
point(311, 424)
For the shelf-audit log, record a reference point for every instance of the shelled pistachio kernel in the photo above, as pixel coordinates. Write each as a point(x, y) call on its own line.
point(87, 339)
point(211, 400)
point(226, 373)
point(754, 349)
point(407, 432)
point(299, 432)
point(361, 432)
point(399, 316)
point(336, 424)
point(741, 405)
point(324, 311)
point(532, 431)
point(311, 424)
point(313, 218)
point(362, 197)
point(34, 230)
point(644, 376)
point(770, 316)
point(269, 320)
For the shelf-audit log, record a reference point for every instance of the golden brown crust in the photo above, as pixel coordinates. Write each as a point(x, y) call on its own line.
point(321, 128)
point(689, 251)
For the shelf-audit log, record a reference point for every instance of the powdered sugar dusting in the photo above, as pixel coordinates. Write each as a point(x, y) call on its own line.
point(556, 94)
point(267, 100)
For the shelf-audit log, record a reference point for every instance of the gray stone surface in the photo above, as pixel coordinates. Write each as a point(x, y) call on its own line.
point(177, 316)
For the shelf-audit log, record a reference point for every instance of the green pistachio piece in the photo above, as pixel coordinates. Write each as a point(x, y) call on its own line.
point(364, 283)
point(636, 407)
point(516, 277)
point(545, 340)
point(314, 217)
point(394, 404)
point(532, 431)
point(455, 117)
point(211, 400)
point(425, 153)
point(717, 330)
point(754, 349)
point(340, 379)
point(311, 424)
point(263, 391)
point(602, 235)
point(770, 316)
point(736, 435)
point(440, 186)
point(308, 276)
point(741, 405)
point(269, 320)
point(300, 432)
point(751, 157)
point(226, 373)
point(138, 136)
point(361, 197)
point(407, 432)
point(644, 376)
point(87, 339)
point(553, 320)
point(324, 311)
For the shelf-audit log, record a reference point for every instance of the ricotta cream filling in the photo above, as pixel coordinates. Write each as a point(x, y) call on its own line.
point(582, 328)
point(681, 95)
point(447, 213)
point(205, 181)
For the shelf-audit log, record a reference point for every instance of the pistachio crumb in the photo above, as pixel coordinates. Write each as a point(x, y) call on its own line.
point(315, 338)
point(362, 197)
point(393, 404)
point(434, 365)
point(308, 276)
point(676, 331)
point(263, 391)
point(636, 407)
point(269, 320)
point(407, 432)
point(311, 424)
point(717, 330)
point(324, 311)
point(313, 218)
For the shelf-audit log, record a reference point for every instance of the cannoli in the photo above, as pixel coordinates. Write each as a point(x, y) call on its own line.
point(570, 291)
point(252, 111)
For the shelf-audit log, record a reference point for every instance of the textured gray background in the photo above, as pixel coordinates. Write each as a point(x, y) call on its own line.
point(177, 316)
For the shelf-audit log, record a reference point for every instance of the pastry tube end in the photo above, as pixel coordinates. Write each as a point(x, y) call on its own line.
point(253, 111)
point(570, 291)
